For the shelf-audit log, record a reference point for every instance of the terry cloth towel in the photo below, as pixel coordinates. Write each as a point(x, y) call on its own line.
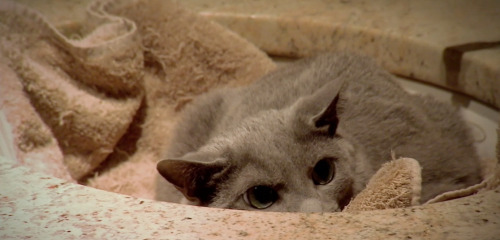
point(93, 101)
point(396, 184)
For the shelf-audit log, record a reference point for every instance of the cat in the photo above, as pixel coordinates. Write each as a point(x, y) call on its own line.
point(308, 136)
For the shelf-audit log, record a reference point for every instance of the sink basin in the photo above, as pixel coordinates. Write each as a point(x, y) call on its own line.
point(447, 49)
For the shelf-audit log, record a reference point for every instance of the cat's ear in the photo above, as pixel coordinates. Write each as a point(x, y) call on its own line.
point(196, 180)
point(328, 117)
point(319, 111)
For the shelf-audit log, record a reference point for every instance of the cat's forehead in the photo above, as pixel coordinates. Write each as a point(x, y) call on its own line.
point(260, 127)
point(267, 136)
point(268, 141)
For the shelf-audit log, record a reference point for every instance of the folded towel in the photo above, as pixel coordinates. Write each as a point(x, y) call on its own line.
point(99, 96)
point(396, 184)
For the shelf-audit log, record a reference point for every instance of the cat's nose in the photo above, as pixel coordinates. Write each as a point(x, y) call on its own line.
point(311, 205)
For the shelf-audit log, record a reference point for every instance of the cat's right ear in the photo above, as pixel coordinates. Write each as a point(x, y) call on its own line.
point(196, 180)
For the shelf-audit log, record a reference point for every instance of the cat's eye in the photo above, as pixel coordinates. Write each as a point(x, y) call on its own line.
point(323, 171)
point(260, 197)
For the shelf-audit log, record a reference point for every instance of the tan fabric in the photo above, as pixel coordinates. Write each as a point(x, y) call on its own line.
point(35, 144)
point(100, 96)
point(396, 184)
point(76, 87)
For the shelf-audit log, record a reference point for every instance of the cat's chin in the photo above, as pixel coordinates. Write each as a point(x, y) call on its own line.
point(188, 202)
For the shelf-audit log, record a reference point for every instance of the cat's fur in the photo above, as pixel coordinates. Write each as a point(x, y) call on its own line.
point(275, 130)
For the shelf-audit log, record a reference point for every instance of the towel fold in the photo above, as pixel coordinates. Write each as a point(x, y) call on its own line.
point(78, 98)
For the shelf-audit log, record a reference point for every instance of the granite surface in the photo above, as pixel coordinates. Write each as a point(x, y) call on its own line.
point(409, 38)
point(37, 206)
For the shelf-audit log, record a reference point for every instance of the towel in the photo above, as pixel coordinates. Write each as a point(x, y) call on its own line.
point(396, 184)
point(93, 101)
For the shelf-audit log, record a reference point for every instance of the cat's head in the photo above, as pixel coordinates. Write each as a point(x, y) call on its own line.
point(295, 159)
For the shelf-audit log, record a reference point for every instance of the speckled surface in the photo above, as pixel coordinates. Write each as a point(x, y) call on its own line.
point(41, 207)
point(407, 37)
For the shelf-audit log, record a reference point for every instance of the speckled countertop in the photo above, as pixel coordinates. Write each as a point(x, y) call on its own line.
point(451, 43)
point(408, 37)
point(38, 206)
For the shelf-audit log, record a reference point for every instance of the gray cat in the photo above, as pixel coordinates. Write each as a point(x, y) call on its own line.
point(308, 136)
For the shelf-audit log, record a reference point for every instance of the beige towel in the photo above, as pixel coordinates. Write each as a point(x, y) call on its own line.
point(101, 93)
point(77, 88)
point(396, 184)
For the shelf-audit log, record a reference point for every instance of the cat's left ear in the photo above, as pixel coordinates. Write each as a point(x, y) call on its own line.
point(319, 111)
point(196, 180)
point(328, 117)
